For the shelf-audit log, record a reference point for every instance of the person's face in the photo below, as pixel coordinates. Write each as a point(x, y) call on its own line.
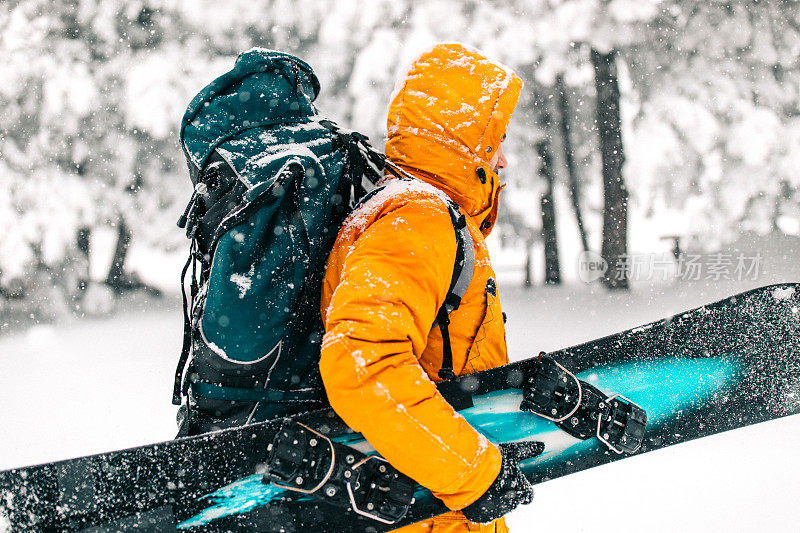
point(499, 161)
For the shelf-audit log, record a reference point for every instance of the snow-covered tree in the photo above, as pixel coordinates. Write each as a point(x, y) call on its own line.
point(93, 93)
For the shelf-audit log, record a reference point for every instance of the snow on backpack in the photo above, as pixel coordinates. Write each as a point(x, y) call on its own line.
point(273, 183)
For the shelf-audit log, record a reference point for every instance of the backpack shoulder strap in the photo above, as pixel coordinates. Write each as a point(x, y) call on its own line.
point(463, 268)
point(464, 264)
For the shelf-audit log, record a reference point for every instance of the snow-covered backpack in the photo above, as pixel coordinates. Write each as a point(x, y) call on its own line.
point(273, 182)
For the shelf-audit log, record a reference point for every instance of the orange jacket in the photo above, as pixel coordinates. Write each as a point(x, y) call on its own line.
point(391, 267)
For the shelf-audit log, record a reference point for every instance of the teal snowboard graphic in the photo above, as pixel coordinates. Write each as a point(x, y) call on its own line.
point(719, 367)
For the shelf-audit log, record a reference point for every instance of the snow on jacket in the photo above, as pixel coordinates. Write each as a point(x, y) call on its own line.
point(390, 270)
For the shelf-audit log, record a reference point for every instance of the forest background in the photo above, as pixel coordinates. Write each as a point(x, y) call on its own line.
point(645, 127)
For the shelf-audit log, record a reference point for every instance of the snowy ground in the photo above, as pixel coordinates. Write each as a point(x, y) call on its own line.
point(98, 384)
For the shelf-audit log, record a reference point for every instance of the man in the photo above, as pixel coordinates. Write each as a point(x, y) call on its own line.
point(390, 271)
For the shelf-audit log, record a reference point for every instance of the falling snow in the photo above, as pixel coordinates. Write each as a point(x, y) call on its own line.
point(92, 98)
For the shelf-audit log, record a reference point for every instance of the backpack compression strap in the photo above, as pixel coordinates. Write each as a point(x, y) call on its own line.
point(361, 160)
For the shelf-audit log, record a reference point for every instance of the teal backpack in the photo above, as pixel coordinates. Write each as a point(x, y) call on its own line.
point(273, 183)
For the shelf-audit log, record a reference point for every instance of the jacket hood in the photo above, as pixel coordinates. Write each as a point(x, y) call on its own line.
point(263, 88)
point(447, 120)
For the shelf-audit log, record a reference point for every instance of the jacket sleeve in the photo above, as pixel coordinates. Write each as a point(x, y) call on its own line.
point(389, 287)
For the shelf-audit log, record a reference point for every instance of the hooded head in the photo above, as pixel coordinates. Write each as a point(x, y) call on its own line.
point(448, 119)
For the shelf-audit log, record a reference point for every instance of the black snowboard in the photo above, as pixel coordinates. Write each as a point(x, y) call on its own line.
point(719, 367)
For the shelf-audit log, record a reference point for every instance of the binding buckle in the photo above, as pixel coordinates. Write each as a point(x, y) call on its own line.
point(379, 491)
point(581, 409)
point(306, 461)
point(552, 392)
point(622, 428)
point(300, 459)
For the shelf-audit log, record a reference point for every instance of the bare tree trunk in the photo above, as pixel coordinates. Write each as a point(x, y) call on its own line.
point(552, 269)
point(528, 265)
point(569, 158)
point(116, 278)
point(615, 213)
point(82, 243)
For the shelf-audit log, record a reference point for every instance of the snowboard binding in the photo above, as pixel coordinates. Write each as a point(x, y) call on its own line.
point(306, 461)
point(581, 409)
